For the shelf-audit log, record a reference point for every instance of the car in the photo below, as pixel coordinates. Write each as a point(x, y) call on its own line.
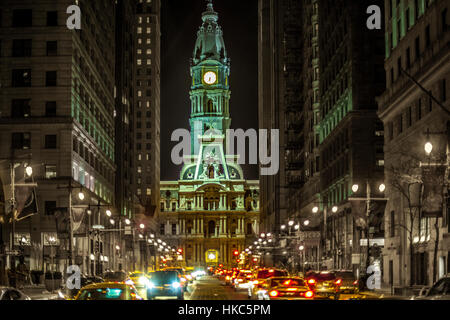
point(439, 291)
point(165, 284)
point(115, 276)
point(228, 277)
point(347, 282)
point(260, 276)
point(243, 280)
point(140, 279)
point(285, 288)
point(108, 291)
point(7, 293)
point(181, 274)
point(324, 283)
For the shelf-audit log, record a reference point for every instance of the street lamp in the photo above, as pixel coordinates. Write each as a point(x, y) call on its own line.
point(117, 247)
point(355, 188)
point(112, 221)
point(297, 227)
point(334, 209)
point(263, 235)
point(315, 209)
point(306, 222)
point(29, 171)
point(108, 213)
point(142, 226)
point(382, 187)
point(291, 223)
point(283, 227)
point(127, 221)
point(428, 148)
point(81, 195)
point(301, 248)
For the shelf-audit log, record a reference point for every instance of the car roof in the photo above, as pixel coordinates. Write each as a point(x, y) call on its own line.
point(104, 285)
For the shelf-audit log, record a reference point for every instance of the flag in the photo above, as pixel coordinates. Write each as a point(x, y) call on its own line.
point(62, 223)
point(359, 212)
point(433, 187)
point(26, 203)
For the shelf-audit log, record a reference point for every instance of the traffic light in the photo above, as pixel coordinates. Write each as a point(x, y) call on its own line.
point(235, 253)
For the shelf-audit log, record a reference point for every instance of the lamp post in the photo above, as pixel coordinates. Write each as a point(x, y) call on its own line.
point(368, 199)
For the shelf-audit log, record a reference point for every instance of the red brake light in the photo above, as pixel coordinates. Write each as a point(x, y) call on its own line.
point(338, 282)
point(274, 293)
point(355, 282)
point(311, 281)
point(309, 294)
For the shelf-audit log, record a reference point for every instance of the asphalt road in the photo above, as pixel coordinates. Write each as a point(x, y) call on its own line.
point(211, 288)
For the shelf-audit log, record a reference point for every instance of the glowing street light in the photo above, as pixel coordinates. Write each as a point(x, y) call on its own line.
point(301, 248)
point(315, 209)
point(112, 221)
point(142, 226)
point(306, 222)
point(428, 148)
point(283, 227)
point(29, 171)
point(355, 188)
point(81, 195)
point(263, 235)
point(108, 213)
point(291, 223)
point(382, 187)
point(117, 247)
point(334, 209)
point(297, 227)
point(269, 235)
point(127, 221)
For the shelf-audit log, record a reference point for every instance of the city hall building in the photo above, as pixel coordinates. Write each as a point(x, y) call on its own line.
point(211, 211)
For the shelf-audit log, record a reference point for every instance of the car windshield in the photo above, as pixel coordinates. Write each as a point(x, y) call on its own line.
point(103, 294)
point(442, 287)
point(287, 282)
point(345, 275)
point(163, 277)
point(325, 276)
point(115, 276)
point(264, 274)
point(136, 275)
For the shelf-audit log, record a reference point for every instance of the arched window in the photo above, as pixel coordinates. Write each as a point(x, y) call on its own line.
point(210, 106)
point(211, 228)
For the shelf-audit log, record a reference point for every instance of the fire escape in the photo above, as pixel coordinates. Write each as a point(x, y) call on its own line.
point(294, 116)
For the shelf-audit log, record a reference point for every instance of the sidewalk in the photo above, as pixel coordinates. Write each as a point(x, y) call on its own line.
point(39, 293)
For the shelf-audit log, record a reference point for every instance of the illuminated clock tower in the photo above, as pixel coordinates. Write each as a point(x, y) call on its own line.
point(210, 72)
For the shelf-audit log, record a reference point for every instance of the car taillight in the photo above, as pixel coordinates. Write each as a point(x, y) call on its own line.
point(309, 294)
point(338, 282)
point(274, 293)
point(255, 282)
point(355, 282)
point(311, 281)
point(240, 280)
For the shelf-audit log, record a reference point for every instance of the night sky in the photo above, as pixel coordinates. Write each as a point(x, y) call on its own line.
point(180, 23)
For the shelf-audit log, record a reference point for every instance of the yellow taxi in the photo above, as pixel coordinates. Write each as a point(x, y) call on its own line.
point(108, 291)
point(139, 279)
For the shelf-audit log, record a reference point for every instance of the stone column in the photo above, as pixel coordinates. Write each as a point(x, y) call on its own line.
point(220, 226)
point(201, 226)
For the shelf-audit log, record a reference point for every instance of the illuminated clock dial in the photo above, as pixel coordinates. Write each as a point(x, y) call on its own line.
point(210, 77)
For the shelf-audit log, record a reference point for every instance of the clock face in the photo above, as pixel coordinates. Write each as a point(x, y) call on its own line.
point(210, 77)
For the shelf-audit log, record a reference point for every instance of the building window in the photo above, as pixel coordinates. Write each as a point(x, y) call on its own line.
point(174, 229)
point(52, 48)
point(139, 192)
point(50, 141)
point(139, 30)
point(22, 18)
point(50, 171)
point(50, 207)
point(50, 109)
point(21, 48)
point(20, 108)
point(21, 140)
point(443, 90)
point(392, 225)
point(174, 206)
point(50, 79)
point(417, 47)
point(427, 36)
point(139, 169)
point(419, 110)
point(162, 229)
point(21, 77)
point(52, 18)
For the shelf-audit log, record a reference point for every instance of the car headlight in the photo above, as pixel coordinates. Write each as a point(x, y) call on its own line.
point(176, 285)
point(143, 281)
point(150, 285)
